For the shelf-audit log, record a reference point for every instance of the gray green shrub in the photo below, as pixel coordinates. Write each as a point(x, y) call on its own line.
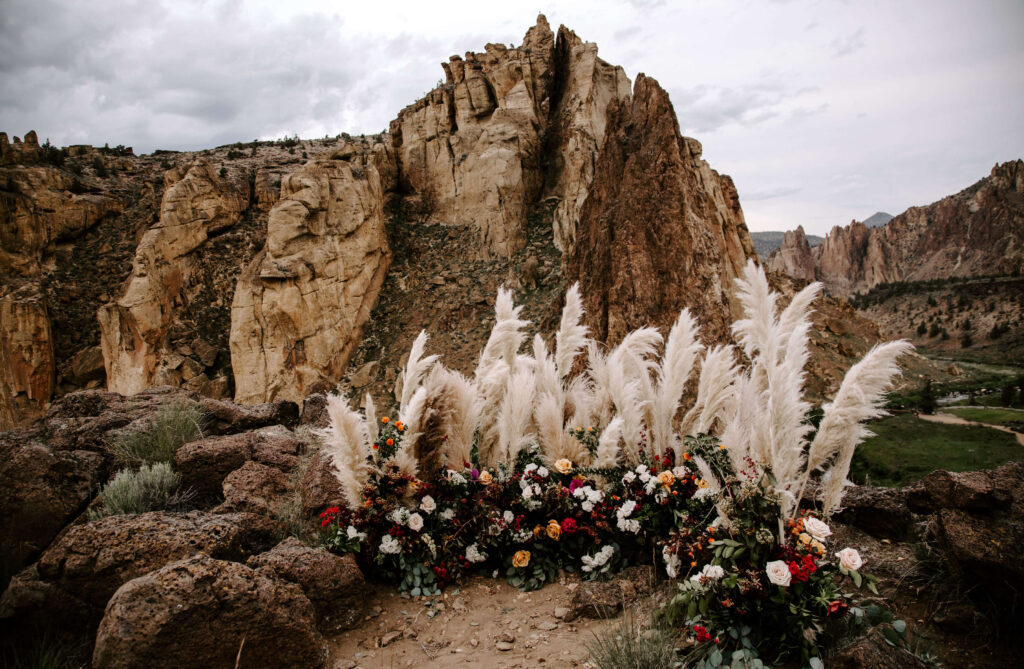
point(150, 488)
point(172, 426)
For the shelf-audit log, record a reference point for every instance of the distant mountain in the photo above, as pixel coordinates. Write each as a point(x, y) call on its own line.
point(766, 242)
point(976, 232)
point(877, 219)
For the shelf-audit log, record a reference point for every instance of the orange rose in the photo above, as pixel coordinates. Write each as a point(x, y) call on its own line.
point(485, 477)
point(554, 530)
point(521, 559)
point(537, 531)
point(384, 419)
point(666, 478)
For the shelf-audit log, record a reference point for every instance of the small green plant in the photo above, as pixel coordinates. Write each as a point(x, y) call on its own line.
point(927, 404)
point(100, 168)
point(152, 488)
point(43, 648)
point(172, 426)
point(633, 647)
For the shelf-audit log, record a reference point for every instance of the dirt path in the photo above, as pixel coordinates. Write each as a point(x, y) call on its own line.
point(483, 623)
point(950, 419)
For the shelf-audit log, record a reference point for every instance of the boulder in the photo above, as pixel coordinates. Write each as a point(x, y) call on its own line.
point(603, 599)
point(967, 491)
point(332, 583)
point(205, 613)
point(92, 560)
point(254, 488)
point(881, 512)
point(220, 417)
point(984, 551)
point(205, 463)
point(320, 487)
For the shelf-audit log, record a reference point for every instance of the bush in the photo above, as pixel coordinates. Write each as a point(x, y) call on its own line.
point(922, 329)
point(100, 168)
point(151, 488)
point(628, 647)
point(927, 404)
point(1006, 397)
point(935, 330)
point(966, 341)
point(171, 427)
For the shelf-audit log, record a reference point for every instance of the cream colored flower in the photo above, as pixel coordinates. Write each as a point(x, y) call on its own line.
point(804, 538)
point(778, 573)
point(849, 559)
point(564, 466)
point(553, 530)
point(816, 528)
point(521, 559)
point(666, 478)
point(428, 504)
point(415, 522)
point(485, 477)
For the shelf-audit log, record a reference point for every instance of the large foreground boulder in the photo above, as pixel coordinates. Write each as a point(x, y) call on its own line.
point(221, 417)
point(204, 613)
point(320, 486)
point(333, 583)
point(92, 560)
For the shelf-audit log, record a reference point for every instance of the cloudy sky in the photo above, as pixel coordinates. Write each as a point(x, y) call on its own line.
point(821, 110)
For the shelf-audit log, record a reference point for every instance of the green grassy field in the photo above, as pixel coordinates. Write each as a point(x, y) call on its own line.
point(990, 416)
point(906, 448)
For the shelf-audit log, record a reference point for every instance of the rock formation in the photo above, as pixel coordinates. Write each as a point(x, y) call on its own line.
point(26, 351)
point(300, 306)
point(794, 256)
point(976, 232)
point(474, 148)
point(196, 205)
point(660, 230)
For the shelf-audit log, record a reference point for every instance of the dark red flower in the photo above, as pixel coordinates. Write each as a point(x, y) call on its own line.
point(702, 634)
point(837, 609)
point(569, 526)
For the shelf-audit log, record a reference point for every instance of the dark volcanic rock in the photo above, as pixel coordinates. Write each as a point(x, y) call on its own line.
point(205, 463)
point(254, 488)
point(222, 417)
point(332, 583)
point(204, 613)
point(320, 487)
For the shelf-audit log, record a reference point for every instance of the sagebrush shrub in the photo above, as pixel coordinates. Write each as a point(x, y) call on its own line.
point(171, 427)
point(150, 488)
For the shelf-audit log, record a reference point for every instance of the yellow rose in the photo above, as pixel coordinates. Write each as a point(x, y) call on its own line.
point(521, 559)
point(701, 483)
point(485, 477)
point(564, 466)
point(537, 531)
point(818, 547)
point(804, 538)
point(554, 530)
point(666, 478)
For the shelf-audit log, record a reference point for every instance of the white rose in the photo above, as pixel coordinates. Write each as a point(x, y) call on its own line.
point(778, 573)
point(527, 492)
point(588, 506)
point(713, 571)
point(415, 522)
point(448, 514)
point(427, 504)
point(530, 467)
point(680, 471)
point(629, 477)
point(849, 559)
point(543, 472)
point(389, 545)
point(508, 516)
point(816, 528)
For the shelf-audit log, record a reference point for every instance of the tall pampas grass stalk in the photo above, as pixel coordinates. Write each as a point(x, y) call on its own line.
point(346, 442)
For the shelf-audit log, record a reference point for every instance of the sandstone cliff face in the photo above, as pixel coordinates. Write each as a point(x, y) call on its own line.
point(19, 152)
point(976, 232)
point(474, 150)
point(300, 306)
point(660, 230)
point(26, 354)
point(136, 353)
point(794, 257)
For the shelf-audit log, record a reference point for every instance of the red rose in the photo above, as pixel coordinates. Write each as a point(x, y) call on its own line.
point(702, 634)
point(837, 609)
point(569, 526)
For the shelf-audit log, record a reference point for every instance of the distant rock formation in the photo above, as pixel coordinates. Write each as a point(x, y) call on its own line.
point(976, 232)
point(793, 256)
point(767, 241)
point(660, 230)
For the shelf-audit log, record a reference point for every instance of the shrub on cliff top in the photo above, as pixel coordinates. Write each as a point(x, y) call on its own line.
point(152, 488)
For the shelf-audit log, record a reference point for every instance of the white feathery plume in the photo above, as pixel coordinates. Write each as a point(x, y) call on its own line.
point(714, 485)
point(756, 333)
point(681, 350)
point(414, 417)
point(515, 416)
point(452, 406)
point(571, 336)
point(737, 433)
point(415, 368)
point(490, 384)
point(506, 335)
point(798, 310)
point(346, 443)
point(581, 403)
point(547, 380)
point(370, 411)
point(841, 428)
point(554, 440)
point(597, 370)
point(608, 445)
point(715, 391)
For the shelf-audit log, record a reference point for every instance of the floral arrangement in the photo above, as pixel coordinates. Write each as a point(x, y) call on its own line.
point(527, 468)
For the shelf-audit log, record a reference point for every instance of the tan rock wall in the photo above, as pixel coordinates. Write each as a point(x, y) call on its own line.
point(300, 306)
point(27, 366)
point(134, 328)
point(793, 258)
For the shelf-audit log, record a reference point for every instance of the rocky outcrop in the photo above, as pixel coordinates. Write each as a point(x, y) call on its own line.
point(333, 583)
point(27, 364)
point(300, 306)
point(20, 152)
point(794, 256)
point(507, 125)
point(660, 230)
point(204, 464)
point(208, 613)
point(976, 232)
point(135, 329)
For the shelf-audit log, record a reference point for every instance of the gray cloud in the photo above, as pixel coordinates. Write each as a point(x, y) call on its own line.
point(781, 191)
point(850, 44)
point(707, 108)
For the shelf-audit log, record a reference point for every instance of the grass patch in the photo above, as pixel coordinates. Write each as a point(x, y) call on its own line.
point(43, 649)
point(171, 427)
point(633, 647)
point(151, 488)
point(906, 448)
point(990, 416)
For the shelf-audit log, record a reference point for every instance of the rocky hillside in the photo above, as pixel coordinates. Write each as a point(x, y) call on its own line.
point(270, 270)
point(976, 232)
point(767, 241)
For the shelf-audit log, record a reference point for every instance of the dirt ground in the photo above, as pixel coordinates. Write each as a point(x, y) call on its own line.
point(483, 623)
point(951, 419)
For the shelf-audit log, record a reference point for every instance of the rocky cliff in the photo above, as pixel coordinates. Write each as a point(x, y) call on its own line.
point(793, 257)
point(976, 232)
point(660, 230)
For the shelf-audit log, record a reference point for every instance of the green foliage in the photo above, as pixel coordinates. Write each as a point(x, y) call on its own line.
point(992, 416)
point(922, 328)
point(234, 155)
point(966, 341)
point(53, 155)
point(633, 647)
point(1007, 395)
point(43, 648)
point(151, 488)
point(223, 172)
point(100, 168)
point(927, 403)
point(172, 426)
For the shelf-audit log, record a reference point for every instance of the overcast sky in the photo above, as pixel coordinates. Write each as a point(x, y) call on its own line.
point(821, 111)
